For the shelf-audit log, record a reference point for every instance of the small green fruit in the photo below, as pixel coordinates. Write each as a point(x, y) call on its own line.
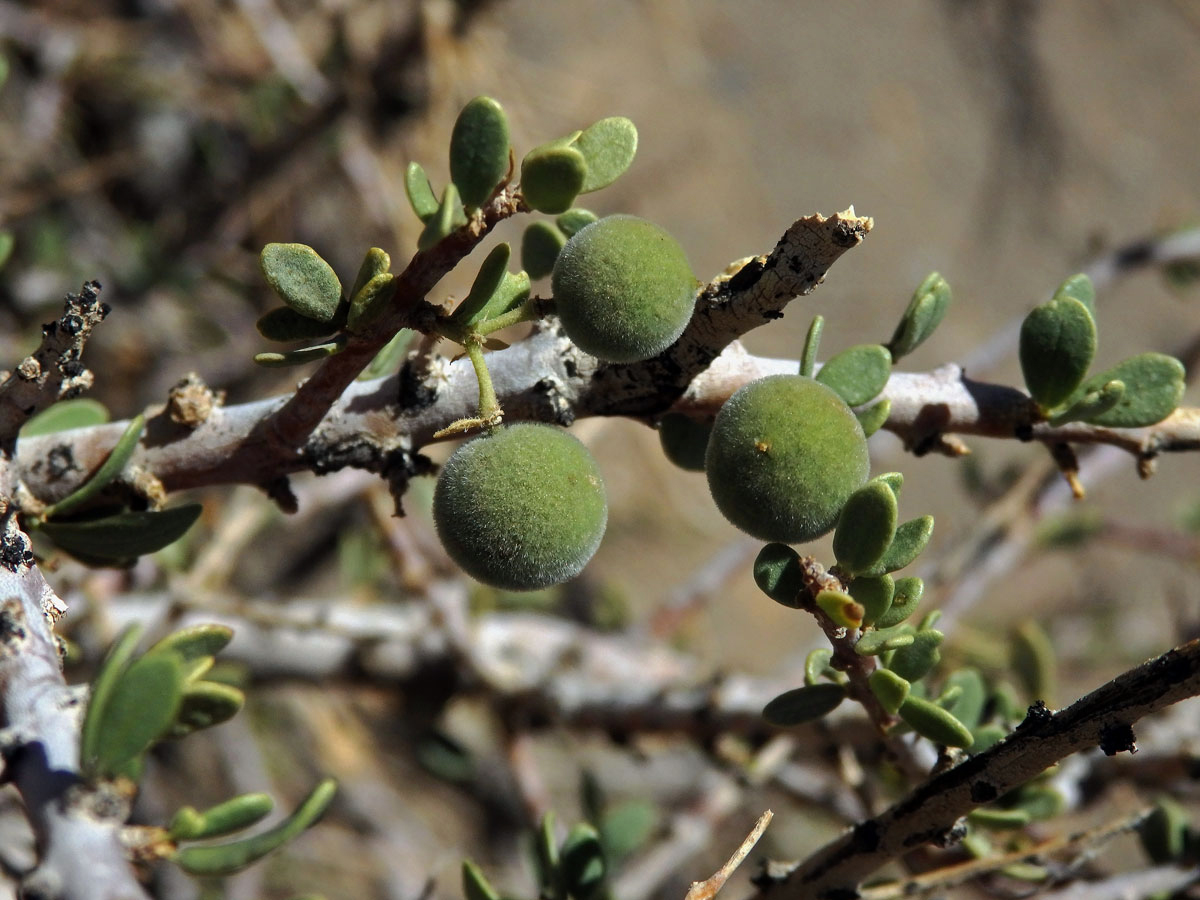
point(624, 289)
point(784, 456)
point(521, 509)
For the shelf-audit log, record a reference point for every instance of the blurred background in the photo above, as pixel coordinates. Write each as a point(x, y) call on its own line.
point(156, 145)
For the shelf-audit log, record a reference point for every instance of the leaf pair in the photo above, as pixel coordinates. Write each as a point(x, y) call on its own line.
point(1057, 346)
point(542, 241)
point(494, 292)
point(868, 541)
point(134, 703)
point(555, 173)
point(576, 869)
point(856, 375)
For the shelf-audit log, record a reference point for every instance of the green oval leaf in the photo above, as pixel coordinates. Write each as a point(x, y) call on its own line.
point(303, 280)
point(479, 150)
point(195, 641)
point(375, 262)
point(608, 146)
point(387, 360)
point(116, 661)
point(894, 480)
point(684, 441)
point(996, 819)
point(816, 665)
point(866, 528)
point(1091, 404)
point(804, 704)
point(904, 602)
point(1034, 661)
point(448, 216)
point(889, 689)
point(1078, 287)
point(371, 302)
point(205, 704)
point(225, 818)
point(874, 595)
point(925, 312)
point(931, 721)
point(512, 293)
point(487, 281)
point(777, 574)
point(552, 177)
point(1154, 384)
point(881, 640)
point(420, 193)
point(225, 859)
point(968, 706)
point(574, 219)
point(1164, 833)
point(81, 412)
point(874, 416)
point(113, 465)
point(914, 662)
point(140, 709)
point(858, 374)
point(911, 538)
point(1058, 343)
point(284, 324)
point(124, 535)
point(540, 246)
point(581, 863)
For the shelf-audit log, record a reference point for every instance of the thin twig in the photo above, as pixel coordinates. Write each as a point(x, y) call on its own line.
point(707, 889)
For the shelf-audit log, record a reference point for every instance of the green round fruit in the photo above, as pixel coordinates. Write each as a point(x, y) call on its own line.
point(522, 508)
point(784, 456)
point(623, 288)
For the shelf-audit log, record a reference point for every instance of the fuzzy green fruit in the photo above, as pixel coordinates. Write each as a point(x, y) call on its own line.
point(784, 456)
point(521, 509)
point(623, 288)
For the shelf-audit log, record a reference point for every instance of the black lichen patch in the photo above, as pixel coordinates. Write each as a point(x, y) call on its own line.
point(15, 551)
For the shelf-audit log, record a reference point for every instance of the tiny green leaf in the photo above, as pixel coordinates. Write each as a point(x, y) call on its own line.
point(608, 146)
point(894, 480)
point(124, 535)
point(545, 856)
point(968, 706)
point(917, 660)
point(113, 465)
point(874, 416)
point(420, 194)
point(777, 574)
point(116, 661)
point(552, 177)
point(804, 704)
point(1033, 661)
point(140, 709)
point(375, 262)
point(475, 885)
point(816, 665)
point(866, 528)
point(1154, 385)
point(574, 219)
point(303, 280)
point(1089, 405)
point(812, 342)
point(858, 374)
point(284, 324)
point(996, 819)
point(540, 246)
point(303, 355)
point(81, 412)
point(387, 360)
point(512, 293)
point(1058, 343)
point(910, 541)
point(225, 818)
point(371, 302)
point(627, 827)
point(931, 721)
point(841, 608)
point(195, 641)
point(479, 150)
point(904, 602)
point(1041, 802)
point(1078, 287)
point(881, 640)
point(205, 704)
point(7, 242)
point(874, 595)
point(444, 221)
point(925, 312)
point(582, 864)
point(889, 689)
point(987, 737)
point(225, 859)
point(487, 282)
